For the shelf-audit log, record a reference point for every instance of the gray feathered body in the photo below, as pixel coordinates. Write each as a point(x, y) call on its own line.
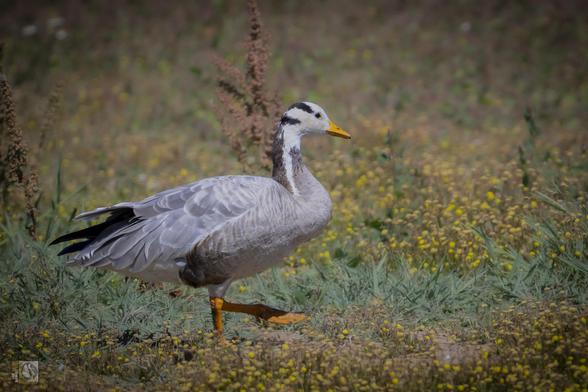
point(215, 230)
point(210, 231)
point(261, 236)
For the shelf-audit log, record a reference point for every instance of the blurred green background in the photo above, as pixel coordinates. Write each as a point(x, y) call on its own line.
point(457, 253)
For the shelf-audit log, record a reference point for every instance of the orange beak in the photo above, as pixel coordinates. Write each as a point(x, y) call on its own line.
point(334, 130)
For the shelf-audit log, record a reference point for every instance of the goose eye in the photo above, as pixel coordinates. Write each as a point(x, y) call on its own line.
point(318, 115)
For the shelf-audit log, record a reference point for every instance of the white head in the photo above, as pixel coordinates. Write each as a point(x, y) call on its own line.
point(302, 118)
point(307, 118)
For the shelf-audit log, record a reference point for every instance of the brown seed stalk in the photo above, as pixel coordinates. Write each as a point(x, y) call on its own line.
point(249, 110)
point(51, 115)
point(15, 170)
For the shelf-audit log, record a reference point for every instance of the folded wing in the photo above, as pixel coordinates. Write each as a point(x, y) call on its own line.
point(165, 226)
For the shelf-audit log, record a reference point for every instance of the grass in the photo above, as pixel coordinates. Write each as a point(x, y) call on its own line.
point(457, 254)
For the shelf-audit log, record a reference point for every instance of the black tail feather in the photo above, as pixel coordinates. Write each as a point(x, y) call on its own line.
point(90, 233)
point(74, 247)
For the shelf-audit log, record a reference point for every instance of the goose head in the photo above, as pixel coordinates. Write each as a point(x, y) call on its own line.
point(301, 119)
point(307, 118)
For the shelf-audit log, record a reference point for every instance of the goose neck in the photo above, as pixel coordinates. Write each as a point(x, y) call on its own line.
point(287, 158)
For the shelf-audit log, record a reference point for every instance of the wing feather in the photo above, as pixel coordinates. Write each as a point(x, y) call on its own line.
point(169, 224)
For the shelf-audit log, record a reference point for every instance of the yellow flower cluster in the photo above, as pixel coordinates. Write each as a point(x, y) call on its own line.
point(430, 204)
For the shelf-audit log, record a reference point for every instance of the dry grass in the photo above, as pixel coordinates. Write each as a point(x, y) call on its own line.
point(535, 346)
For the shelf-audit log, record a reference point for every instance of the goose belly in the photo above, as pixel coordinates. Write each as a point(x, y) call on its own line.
point(247, 255)
point(158, 271)
point(255, 261)
point(245, 249)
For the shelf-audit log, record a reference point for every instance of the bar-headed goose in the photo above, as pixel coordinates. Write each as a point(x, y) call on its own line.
point(213, 231)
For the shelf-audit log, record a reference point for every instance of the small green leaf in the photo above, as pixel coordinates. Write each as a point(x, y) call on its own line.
point(354, 262)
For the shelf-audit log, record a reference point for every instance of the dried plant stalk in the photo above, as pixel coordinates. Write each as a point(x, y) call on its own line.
point(250, 111)
point(31, 192)
point(51, 115)
point(16, 171)
point(2, 121)
point(15, 161)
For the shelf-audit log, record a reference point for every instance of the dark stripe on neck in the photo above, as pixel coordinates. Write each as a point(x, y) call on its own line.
point(289, 121)
point(296, 160)
point(301, 106)
point(279, 170)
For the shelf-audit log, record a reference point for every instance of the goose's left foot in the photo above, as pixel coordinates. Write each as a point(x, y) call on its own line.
point(265, 312)
point(281, 317)
point(260, 311)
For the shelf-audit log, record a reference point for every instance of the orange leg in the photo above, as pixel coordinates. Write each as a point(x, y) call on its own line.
point(265, 312)
point(217, 305)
